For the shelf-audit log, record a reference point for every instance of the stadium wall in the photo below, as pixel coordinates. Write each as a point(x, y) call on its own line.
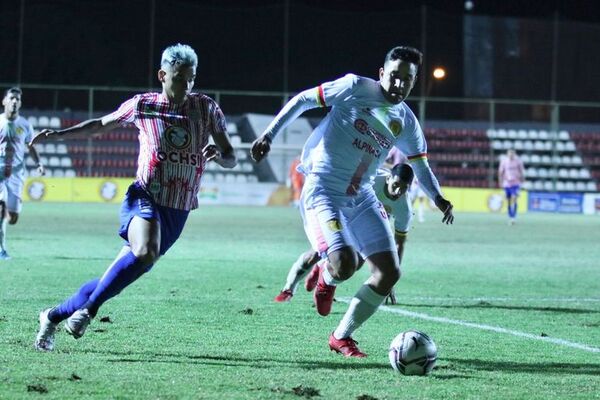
point(112, 190)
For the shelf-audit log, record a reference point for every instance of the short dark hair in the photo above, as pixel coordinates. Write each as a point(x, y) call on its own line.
point(404, 171)
point(13, 89)
point(405, 53)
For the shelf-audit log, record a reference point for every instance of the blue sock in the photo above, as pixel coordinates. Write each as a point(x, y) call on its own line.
point(120, 275)
point(73, 303)
point(515, 210)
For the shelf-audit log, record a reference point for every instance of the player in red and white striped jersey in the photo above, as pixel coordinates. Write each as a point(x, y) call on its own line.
point(174, 129)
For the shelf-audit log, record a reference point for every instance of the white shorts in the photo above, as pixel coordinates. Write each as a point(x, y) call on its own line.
point(10, 192)
point(401, 214)
point(332, 222)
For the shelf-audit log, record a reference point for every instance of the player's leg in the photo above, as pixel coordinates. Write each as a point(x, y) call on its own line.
point(4, 217)
point(515, 198)
point(509, 204)
point(374, 239)
point(299, 269)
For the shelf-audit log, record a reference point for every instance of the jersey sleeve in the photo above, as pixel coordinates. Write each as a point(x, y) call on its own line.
point(28, 133)
point(335, 92)
point(217, 119)
point(126, 113)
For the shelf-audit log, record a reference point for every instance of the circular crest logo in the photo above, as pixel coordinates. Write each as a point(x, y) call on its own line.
point(495, 202)
point(36, 190)
point(396, 127)
point(108, 190)
point(178, 137)
point(361, 125)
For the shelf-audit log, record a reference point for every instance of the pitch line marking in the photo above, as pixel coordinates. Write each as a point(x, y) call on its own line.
point(507, 299)
point(491, 328)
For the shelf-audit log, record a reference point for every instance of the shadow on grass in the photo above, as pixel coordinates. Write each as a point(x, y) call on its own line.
point(485, 305)
point(233, 360)
point(534, 368)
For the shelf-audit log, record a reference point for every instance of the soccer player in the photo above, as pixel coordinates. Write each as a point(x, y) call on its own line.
point(342, 216)
point(391, 190)
point(15, 134)
point(511, 174)
point(174, 130)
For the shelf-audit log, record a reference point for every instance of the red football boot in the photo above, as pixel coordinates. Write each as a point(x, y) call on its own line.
point(285, 295)
point(310, 282)
point(323, 296)
point(347, 346)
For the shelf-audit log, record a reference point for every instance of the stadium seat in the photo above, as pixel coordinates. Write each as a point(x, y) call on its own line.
point(501, 134)
point(563, 173)
point(527, 185)
point(61, 148)
point(253, 179)
point(54, 161)
point(525, 158)
point(570, 146)
point(538, 185)
point(247, 167)
point(548, 145)
point(591, 186)
point(497, 145)
point(207, 177)
point(507, 144)
point(512, 134)
point(556, 160)
point(543, 135)
point(560, 146)
point(563, 135)
point(539, 145)
point(528, 145)
point(44, 160)
point(533, 134)
point(236, 140)
point(573, 173)
point(241, 155)
point(491, 133)
point(570, 186)
point(241, 178)
point(576, 160)
point(59, 173)
point(545, 159)
point(66, 162)
point(70, 173)
point(232, 128)
point(49, 148)
point(531, 172)
point(543, 173)
point(522, 134)
point(54, 123)
point(580, 186)
point(584, 173)
point(548, 185)
point(518, 145)
point(220, 177)
point(33, 121)
point(29, 162)
point(535, 159)
point(43, 122)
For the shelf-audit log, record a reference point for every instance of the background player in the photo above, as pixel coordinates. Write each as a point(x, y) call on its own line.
point(340, 160)
point(175, 127)
point(15, 134)
point(391, 190)
point(511, 175)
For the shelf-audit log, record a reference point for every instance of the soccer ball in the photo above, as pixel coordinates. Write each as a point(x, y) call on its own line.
point(413, 353)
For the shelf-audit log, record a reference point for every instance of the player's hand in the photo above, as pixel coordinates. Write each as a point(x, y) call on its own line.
point(211, 152)
point(44, 133)
point(41, 170)
point(446, 207)
point(260, 148)
point(391, 298)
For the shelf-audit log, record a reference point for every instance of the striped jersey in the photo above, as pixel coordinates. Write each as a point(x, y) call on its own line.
point(354, 139)
point(172, 136)
point(511, 171)
point(14, 137)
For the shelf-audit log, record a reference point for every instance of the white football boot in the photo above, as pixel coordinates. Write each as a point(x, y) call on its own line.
point(77, 323)
point(44, 340)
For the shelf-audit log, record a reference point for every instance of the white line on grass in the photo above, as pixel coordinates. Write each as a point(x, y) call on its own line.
point(491, 328)
point(507, 299)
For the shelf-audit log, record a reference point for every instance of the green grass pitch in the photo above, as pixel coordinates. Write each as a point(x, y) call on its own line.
point(203, 324)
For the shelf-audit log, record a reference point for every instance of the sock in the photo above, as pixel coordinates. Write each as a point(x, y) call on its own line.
point(364, 304)
point(515, 210)
point(73, 303)
point(420, 212)
point(327, 278)
point(118, 276)
point(3, 223)
point(297, 272)
point(509, 209)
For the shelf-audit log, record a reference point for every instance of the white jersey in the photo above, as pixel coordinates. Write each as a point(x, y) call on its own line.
point(399, 209)
point(14, 137)
point(345, 150)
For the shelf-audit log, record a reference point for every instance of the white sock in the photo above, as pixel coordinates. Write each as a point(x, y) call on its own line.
point(3, 223)
point(420, 211)
point(295, 275)
point(327, 278)
point(364, 304)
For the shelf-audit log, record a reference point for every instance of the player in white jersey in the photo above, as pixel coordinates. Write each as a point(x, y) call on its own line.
point(174, 130)
point(342, 216)
point(391, 189)
point(15, 134)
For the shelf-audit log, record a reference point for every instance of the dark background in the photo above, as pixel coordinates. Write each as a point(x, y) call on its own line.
point(538, 50)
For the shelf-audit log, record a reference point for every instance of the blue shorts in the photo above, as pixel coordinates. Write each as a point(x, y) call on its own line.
point(512, 191)
point(139, 203)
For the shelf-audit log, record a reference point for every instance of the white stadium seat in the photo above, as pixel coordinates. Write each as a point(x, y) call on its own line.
point(232, 128)
point(570, 146)
point(61, 148)
point(528, 145)
point(512, 134)
point(591, 186)
point(576, 160)
point(560, 146)
point(570, 185)
point(535, 159)
point(563, 173)
point(525, 158)
point(563, 135)
point(70, 173)
point(522, 134)
point(59, 173)
point(548, 185)
point(497, 145)
point(531, 172)
point(539, 145)
point(54, 123)
point(580, 186)
point(49, 148)
point(43, 122)
point(54, 161)
point(66, 162)
point(491, 133)
point(546, 159)
point(573, 173)
point(543, 173)
point(533, 134)
point(560, 185)
point(543, 135)
point(527, 185)
point(236, 140)
point(33, 121)
point(501, 134)
point(518, 145)
point(584, 173)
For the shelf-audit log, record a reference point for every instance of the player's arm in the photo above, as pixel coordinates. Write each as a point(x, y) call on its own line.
point(298, 104)
point(500, 173)
point(431, 186)
point(36, 159)
point(222, 151)
point(85, 128)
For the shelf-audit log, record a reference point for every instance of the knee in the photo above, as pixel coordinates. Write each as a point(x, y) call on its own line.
point(147, 253)
point(343, 264)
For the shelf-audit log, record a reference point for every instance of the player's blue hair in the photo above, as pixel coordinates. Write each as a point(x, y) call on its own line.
point(179, 54)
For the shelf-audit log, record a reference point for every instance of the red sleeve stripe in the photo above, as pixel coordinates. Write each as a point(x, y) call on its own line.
point(422, 156)
point(321, 97)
